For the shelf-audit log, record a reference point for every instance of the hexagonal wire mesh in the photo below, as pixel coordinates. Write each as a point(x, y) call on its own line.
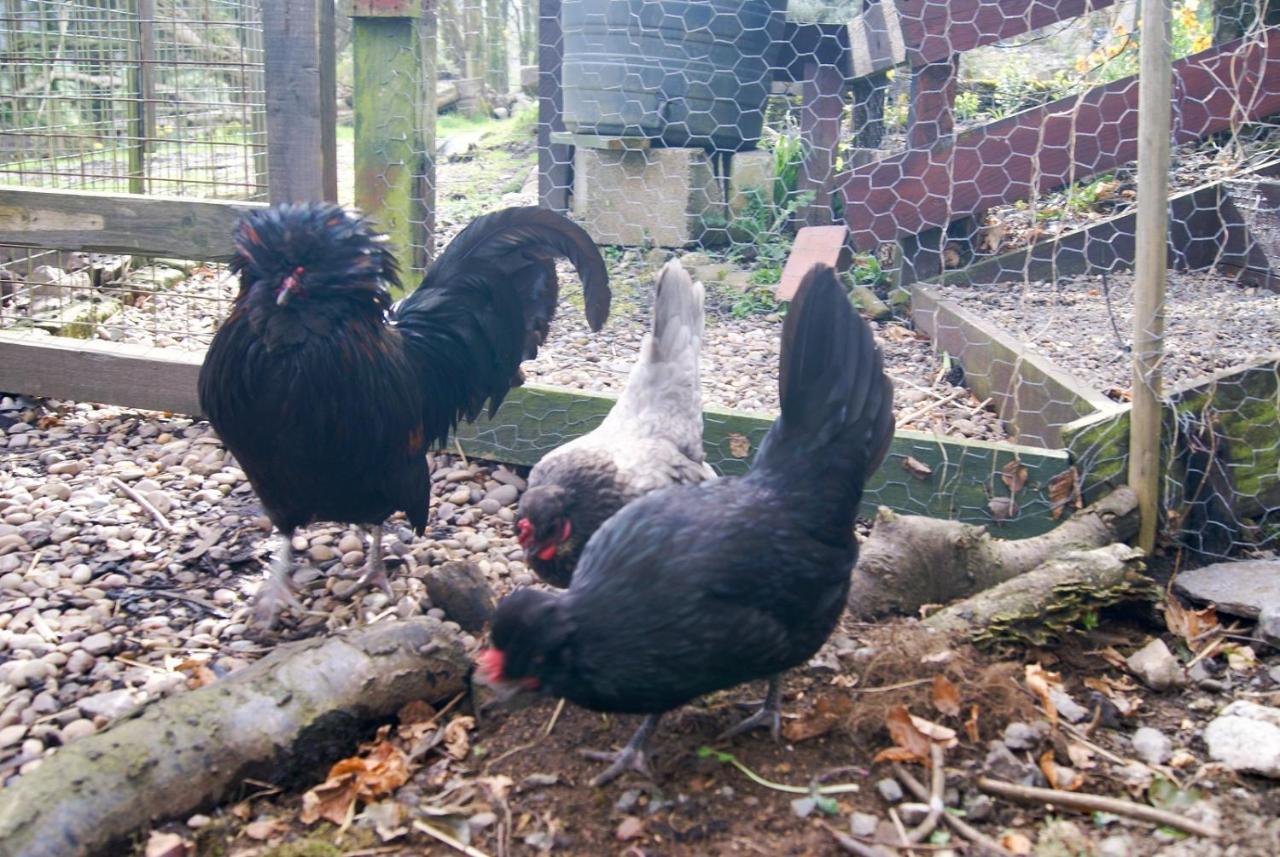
point(980, 154)
point(143, 96)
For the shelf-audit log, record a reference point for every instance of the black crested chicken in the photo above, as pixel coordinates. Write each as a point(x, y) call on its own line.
point(697, 588)
point(330, 397)
point(651, 439)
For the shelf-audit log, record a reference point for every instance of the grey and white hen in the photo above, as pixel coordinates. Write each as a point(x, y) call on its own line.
point(651, 439)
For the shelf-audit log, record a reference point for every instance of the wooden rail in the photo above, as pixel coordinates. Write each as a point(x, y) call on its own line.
point(536, 419)
point(119, 223)
point(1050, 146)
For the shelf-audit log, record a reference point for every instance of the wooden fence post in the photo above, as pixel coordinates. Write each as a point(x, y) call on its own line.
point(390, 149)
point(1150, 260)
point(554, 173)
point(823, 97)
point(301, 100)
point(142, 112)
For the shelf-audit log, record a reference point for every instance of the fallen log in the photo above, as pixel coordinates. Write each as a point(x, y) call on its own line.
point(1037, 607)
point(909, 561)
point(283, 719)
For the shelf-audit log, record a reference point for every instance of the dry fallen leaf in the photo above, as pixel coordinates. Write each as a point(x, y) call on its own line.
point(1016, 842)
point(916, 468)
point(971, 725)
point(910, 744)
point(1064, 490)
point(1195, 627)
point(161, 844)
point(1041, 682)
point(198, 673)
point(739, 446)
point(416, 711)
point(828, 711)
point(1059, 777)
point(1081, 756)
point(457, 741)
point(266, 828)
point(945, 696)
point(1002, 508)
point(1240, 658)
point(630, 828)
point(381, 769)
point(1112, 657)
point(897, 333)
point(1014, 475)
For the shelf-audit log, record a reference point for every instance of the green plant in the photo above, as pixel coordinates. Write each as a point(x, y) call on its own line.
point(967, 106)
point(867, 271)
point(756, 300)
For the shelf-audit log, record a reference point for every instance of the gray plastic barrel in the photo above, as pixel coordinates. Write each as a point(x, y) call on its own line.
point(685, 73)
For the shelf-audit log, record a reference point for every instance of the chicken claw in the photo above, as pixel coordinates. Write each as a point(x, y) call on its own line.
point(768, 714)
point(375, 570)
point(277, 593)
point(633, 757)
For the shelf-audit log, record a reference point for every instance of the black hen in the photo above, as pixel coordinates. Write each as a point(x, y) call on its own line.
point(696, 588)
point(329, 396)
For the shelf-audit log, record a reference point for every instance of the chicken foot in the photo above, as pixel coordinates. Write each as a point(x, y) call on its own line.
point(278, 592)
point(632, 757)
point(768, 714)
point(375, 569)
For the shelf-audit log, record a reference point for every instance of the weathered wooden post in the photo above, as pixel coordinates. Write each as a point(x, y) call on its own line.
point(554, 159)
point(391, 156)
point(1150, 261)
point(299, 70)
point(495, 32)
point(142, 87)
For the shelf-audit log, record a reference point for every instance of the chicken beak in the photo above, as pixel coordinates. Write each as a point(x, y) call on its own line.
point(283, 294)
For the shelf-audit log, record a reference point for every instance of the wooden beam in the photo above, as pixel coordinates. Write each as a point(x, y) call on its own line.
point(555, 160)
point(119, 223)
point(933, 99)
point(821, 110)
point(298, 64)
point(1030, 392)
point(825, 245)
point(1053, 145)
point(132, 376)
point(534, 420)
point(876, 39)
point(390, 148)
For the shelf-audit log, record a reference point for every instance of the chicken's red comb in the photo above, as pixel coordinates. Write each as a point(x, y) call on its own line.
point(489, 662)
point(524, 532)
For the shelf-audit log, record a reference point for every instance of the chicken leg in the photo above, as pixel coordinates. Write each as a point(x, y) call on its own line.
point(277, 593)
point(768, 714)
point(633, 757)
point(375, 570)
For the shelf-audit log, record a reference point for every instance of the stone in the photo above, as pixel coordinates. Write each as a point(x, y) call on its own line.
point(98, 644)
point(1003, 765)
point(1151, 745)
point(863, 824)
point(889, 790)
point(1269, 624)
point(77, 729)
point(1068, 708)
point(12, 735)
point(978, 807)
point(750, 178)
point(505, 495)
point(110, 705)
point(1246, 738)
point(1244, 588)
point(462, 592)
point(656, 197)
point(1118, 845)
point(1025, 736)
point(1156, 666)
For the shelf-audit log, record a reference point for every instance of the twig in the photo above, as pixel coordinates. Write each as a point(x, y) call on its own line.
point(457, 444)
point(441, 836)
point(555, 715)
point(912, 416)
point(961, 827)
point(35, 558)
point(853, 846)
point(705, 752)
point(1097, 803)
point(182, 596)
point(888, 687)
point(155, 513)
point(1076, 733)
point(936, 783)
point(902, 831)
point(980, 406)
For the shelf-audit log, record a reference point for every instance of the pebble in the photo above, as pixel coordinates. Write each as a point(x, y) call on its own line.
point(350, 543)
point(12, 735)
point(23, 673)
point(321, 553)
point(504, 495)
point(98, 644)
point(1025, 736)
point(110, 705)
point(889, 790)
point(1246, 737)
point(76, 729)
point(1156, 666)
point(1151, 745)
point(463, 593)
point(863, 824)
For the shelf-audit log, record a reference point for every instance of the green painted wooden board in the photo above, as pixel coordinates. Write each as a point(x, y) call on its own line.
point(534, 420)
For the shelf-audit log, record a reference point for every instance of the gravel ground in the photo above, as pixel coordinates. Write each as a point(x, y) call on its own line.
point(1211, 323)
point(103, 606)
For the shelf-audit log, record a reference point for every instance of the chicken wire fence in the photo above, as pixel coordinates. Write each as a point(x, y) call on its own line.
point(127, 96)
point(980, 153)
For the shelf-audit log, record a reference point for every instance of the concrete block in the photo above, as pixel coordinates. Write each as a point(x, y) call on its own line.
point(750, 174)
point(660, 196)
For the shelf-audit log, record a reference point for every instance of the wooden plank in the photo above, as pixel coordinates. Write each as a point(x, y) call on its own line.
point(424, 236)
point(822, 109)
point(555, 160)
point(1256, 202)
point(1053, 145)
point(814, 245)
point(386, 8)
point(932, 30)
point(1031, 393)
point(595, 141)
point(185, 228)
point(387, 66)
point(534, 420)
point(933, 99)
point(132, 376)
point(298, 55)
point(876, 39)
